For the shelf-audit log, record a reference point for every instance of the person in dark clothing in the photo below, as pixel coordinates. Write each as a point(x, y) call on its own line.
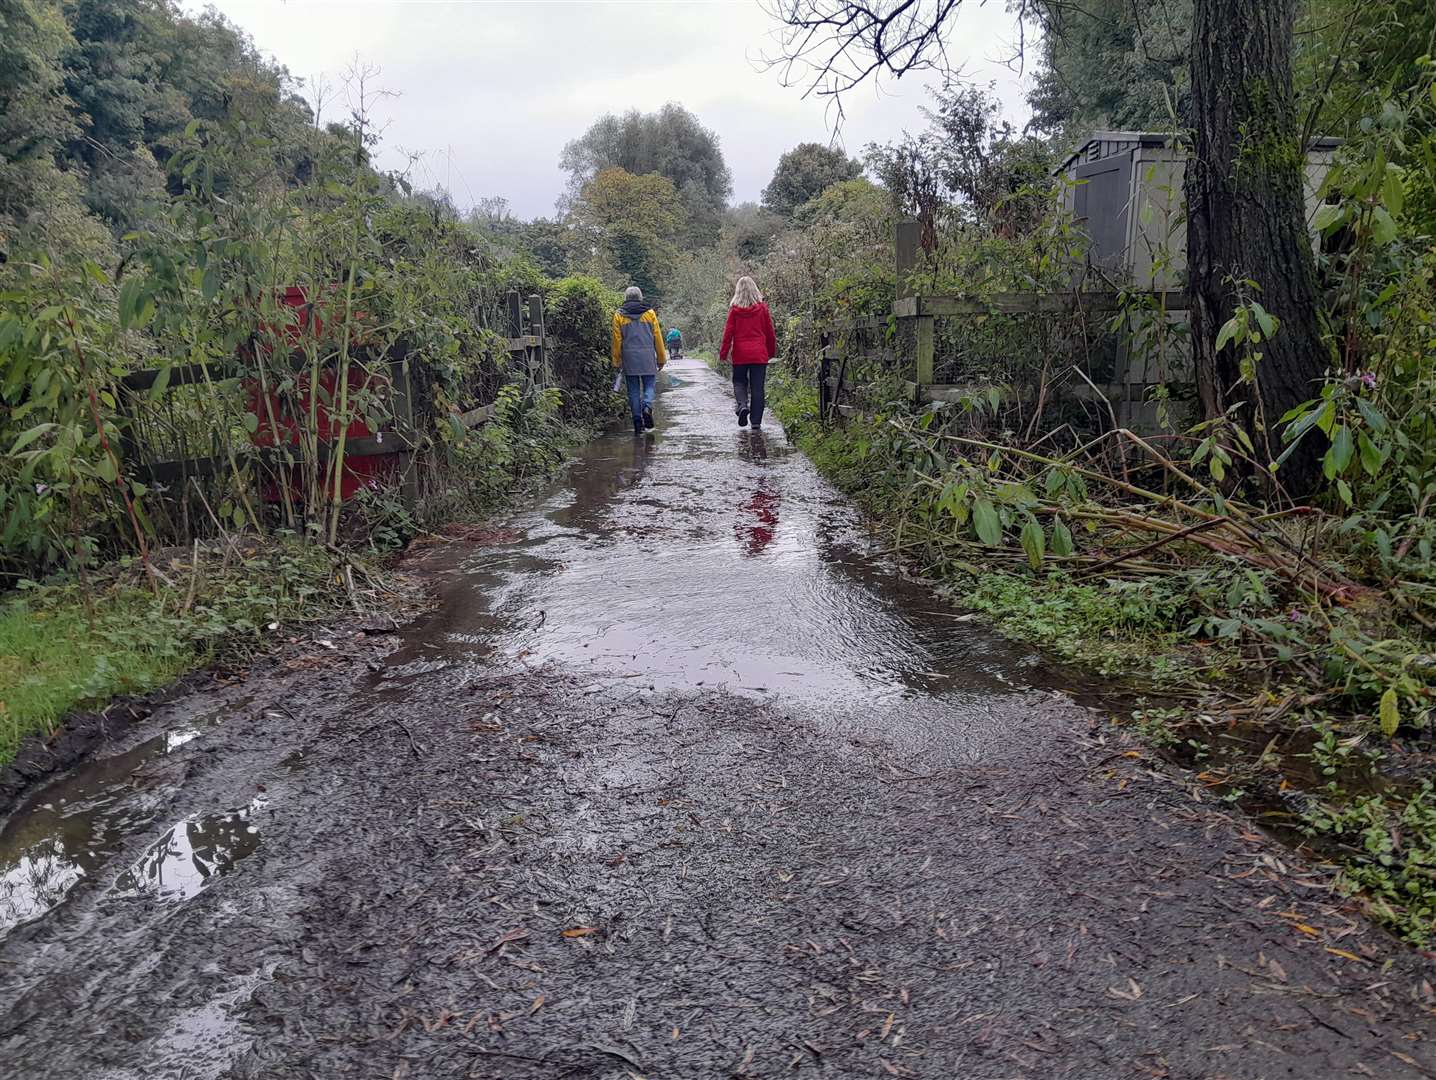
point(749, 339)
point(638, 353)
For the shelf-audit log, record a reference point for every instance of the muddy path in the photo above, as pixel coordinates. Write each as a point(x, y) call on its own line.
point(678, 780)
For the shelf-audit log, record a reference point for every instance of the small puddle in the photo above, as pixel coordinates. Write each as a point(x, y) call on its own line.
point(197, 1043)
point(191, 854)
point(64, 833)
point(1271, 772)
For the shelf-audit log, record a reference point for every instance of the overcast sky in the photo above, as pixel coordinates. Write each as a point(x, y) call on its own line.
point(488, 91)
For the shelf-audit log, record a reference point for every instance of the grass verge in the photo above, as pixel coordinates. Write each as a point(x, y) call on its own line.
point(67, 645)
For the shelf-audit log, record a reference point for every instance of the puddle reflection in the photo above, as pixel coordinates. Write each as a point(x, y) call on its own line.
point(66, 831)
point(40, 879)
point(191, 854)
point(758, 521)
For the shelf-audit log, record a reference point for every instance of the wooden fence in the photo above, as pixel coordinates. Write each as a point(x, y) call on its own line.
point(907, 338)
point(403, 438)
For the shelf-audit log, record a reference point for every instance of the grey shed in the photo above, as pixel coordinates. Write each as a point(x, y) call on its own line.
point(1125, 190)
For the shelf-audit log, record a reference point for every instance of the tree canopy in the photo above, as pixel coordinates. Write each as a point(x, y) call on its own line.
point(968, 160)
point(1123, 65)
point(1111, 64)
point(670, 142)
point(804, 173)
point(35, 116)
point(96, 97)
point(629, 225)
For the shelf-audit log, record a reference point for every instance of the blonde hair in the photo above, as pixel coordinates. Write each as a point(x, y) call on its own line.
point(746, 293)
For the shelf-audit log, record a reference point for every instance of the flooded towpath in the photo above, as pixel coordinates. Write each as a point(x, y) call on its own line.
point(680, 779)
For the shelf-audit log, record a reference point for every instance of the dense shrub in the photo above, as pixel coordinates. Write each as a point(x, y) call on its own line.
point(578, 316)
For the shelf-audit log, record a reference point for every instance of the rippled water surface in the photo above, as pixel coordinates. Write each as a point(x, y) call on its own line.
point(706, 555)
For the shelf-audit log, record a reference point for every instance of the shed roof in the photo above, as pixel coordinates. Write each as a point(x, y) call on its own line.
point(1104, 144)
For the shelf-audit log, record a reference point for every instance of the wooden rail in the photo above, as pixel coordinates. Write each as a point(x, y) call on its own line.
point(914, 317)
point(168, 472)
point(182, 375)
point(1063, 303)
point(923, 311)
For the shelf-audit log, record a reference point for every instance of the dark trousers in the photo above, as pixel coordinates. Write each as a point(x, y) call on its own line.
point(749, 381)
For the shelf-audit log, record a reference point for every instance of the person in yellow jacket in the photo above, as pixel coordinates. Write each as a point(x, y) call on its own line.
point(638, 353)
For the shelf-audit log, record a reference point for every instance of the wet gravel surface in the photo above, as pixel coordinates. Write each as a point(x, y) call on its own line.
point(679, 780)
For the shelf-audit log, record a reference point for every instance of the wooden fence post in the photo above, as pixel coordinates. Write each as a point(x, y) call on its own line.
point(402, 394)
point(539, 355)
point(909, 235)
point(824, 369)
point(926, 349)
point(128, 418)
point(909, 240)
point(516, 316)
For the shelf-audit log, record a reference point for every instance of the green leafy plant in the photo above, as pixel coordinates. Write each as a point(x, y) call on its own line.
point(1386, 846)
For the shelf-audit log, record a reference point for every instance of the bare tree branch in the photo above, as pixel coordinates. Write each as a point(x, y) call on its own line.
point(830, 47)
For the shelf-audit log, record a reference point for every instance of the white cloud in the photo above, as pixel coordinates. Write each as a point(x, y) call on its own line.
point(489, 91)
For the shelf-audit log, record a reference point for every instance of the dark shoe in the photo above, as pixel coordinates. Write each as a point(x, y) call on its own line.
point(742, 417)
point(647, 417)
point(757, 425)
point(638, 427)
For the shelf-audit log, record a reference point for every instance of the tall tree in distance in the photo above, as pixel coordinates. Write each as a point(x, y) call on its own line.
point(670, 142)
point(627, 227)
point(1246, 221)
point(749, 231)
point(804, 173)
point(969, 160)
point(41, 203)
point(34, 112)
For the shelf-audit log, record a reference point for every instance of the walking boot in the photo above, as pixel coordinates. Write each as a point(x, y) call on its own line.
point(743, 417)
point(637, 426)
point(648, 416)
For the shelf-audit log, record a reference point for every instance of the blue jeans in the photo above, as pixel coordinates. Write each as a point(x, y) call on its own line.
point(640, 393)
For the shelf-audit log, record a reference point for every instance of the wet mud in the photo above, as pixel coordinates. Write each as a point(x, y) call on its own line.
point(679, 779)
point(80, 737)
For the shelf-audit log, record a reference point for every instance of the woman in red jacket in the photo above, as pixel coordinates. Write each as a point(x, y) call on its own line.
point(750, 340)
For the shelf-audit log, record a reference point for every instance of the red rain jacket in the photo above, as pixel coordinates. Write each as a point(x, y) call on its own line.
point(749, 336)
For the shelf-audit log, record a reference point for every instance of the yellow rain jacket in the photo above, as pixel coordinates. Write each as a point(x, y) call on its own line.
point(637, 340)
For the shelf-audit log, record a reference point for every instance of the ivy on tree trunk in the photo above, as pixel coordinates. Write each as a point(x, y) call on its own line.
point(1246, 221)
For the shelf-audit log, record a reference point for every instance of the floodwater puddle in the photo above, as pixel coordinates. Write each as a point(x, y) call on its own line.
point(197, 1043)
point(67, 831)
point(705, 556)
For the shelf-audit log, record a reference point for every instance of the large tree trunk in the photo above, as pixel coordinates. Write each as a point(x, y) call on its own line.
point(1246, 220)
